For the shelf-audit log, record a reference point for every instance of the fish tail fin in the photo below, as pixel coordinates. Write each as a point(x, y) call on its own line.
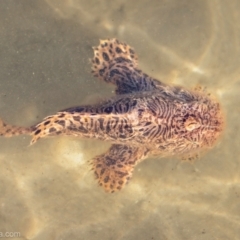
point(7, 130)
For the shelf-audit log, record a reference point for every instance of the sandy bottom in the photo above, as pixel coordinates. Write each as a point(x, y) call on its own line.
point(48, 190)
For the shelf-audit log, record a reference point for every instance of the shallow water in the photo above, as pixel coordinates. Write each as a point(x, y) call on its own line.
point(48, 190)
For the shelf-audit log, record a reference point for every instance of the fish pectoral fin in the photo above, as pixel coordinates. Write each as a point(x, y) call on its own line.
point(115, 62)
point(108, 53)
point(7, 130)
point(114, 168)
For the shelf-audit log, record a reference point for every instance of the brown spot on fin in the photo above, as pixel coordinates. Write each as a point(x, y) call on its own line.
point(50, 126)
point(114, 168)
point(8, 130)
point(112, 61)
point(108, 51)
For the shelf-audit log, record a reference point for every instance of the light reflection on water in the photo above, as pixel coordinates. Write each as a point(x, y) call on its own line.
point(48, 190)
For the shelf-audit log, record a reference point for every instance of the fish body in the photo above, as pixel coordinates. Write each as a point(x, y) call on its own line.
point(146, 117)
